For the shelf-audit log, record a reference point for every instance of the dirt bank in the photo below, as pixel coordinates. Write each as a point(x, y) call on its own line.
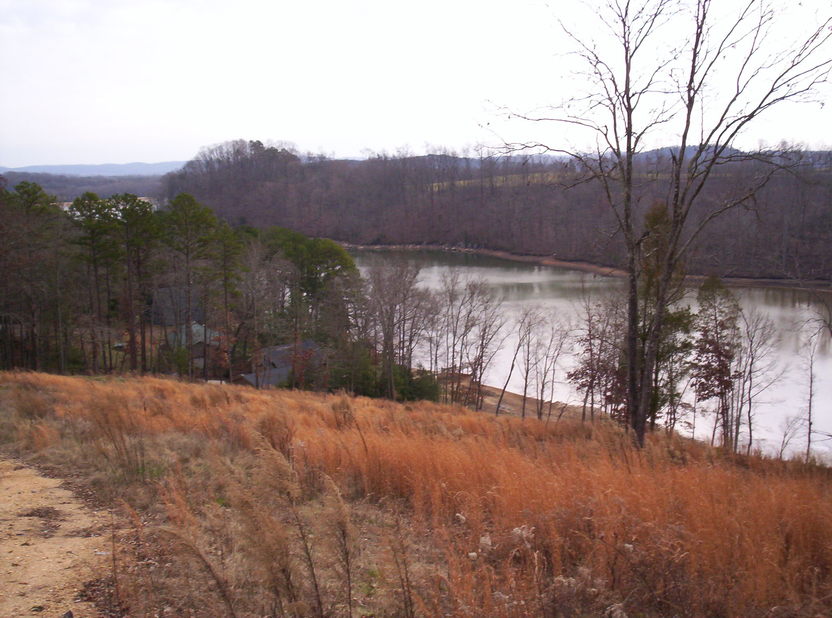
point(512, 404)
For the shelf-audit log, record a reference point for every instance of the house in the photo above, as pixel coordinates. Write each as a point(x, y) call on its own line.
point(276, 365)
point(206, 348)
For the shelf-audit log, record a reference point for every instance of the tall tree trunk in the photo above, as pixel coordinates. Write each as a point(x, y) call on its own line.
point(634, 392)
point(189, 316)
point(131, 316)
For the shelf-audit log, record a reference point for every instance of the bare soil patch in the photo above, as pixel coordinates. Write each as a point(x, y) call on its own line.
point(50, 545)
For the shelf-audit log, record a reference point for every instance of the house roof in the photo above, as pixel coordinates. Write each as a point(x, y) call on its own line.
point(274, 363)
point(267, 377)
point(280, 355)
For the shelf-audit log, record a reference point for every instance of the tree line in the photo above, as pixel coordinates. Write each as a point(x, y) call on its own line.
point(113, 285)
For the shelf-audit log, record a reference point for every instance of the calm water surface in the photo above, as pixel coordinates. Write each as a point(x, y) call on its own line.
point(559, 291)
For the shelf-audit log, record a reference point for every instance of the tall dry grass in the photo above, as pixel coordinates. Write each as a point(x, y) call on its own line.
point(286, 503)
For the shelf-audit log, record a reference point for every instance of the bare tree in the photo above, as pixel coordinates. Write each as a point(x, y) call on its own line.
point(714, 355)
point(822, 318)
point(524, 326)
point(811, 351)
point(467, 335)
point(487, 340)
point(728, 68)
point(396, 303)
point(453, 330)
point(756, 368)
point(551, 342)
point(790, 428)
point(265, 283)
point(599, 353)
point(529, 358)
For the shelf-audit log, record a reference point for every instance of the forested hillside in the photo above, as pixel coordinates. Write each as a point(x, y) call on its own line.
point(522, 204)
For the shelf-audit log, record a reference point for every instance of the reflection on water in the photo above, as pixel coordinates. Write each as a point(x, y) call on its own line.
point(559, 291)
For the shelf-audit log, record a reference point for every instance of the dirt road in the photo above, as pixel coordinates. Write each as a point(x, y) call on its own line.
point(50, 545)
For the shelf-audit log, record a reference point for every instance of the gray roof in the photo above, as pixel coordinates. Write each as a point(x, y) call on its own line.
point(277, 363)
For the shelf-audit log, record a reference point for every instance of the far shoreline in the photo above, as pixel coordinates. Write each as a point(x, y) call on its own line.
point(596, 269)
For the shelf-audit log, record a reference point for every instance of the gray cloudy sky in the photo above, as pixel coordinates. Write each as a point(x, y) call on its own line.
point(95, 81)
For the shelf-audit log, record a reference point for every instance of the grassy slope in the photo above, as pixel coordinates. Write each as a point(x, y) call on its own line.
point(281, 503)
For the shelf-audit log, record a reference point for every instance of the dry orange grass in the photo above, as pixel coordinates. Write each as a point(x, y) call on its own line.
point(515, 518)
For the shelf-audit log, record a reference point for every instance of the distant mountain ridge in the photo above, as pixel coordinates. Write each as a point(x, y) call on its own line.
point(104, 169)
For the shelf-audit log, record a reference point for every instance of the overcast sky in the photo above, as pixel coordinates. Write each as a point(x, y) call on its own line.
point(114, 81)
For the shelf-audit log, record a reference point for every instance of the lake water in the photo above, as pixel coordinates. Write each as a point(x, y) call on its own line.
point(559, 292)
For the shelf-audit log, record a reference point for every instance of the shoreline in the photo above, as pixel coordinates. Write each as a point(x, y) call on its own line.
point(597, 269)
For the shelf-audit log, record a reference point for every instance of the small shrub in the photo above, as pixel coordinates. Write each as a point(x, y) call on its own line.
point(37, 436)
point(31, 403)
